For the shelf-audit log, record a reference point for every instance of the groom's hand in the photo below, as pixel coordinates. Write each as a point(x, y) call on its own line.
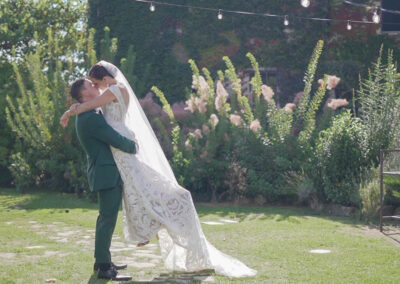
point(137, 144)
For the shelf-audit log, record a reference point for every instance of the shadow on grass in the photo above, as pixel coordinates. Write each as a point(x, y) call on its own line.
point(35, 199)
point(278, 214)
point(173, 277)
point(44, 199)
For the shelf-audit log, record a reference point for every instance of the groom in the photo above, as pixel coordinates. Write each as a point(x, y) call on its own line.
point(96, 137)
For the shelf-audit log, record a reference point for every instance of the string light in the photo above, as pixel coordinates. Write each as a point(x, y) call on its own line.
point(152, 7)
point(305, 3)
point(376, 18)
point(286, 20)
point(220, 16)
point(349, 27)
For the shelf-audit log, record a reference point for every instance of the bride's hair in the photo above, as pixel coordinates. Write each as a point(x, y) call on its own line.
point(99, 72)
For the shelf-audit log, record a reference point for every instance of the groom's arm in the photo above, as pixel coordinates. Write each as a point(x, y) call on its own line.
point(99, 128)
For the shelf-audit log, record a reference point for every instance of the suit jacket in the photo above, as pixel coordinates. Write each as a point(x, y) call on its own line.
point(96, 136)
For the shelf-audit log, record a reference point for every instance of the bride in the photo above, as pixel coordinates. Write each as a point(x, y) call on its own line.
point(154, 204)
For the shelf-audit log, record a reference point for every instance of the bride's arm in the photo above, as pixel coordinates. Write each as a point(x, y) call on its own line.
point(99, 101)
point(78, 108)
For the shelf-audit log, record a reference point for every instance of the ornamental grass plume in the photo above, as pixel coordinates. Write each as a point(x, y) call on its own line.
point(214, 120)
point(206, 129)
point(336, 103)
point(200, 84)
point(255, 125)
point(200, 105)
point(190, 105)
point(197, 134)
point(195, 82)
point(222, 95)
point(289, 107)
point(298, 97)
point(204, 88)
point(236, 119)
point(332, 82)
point(188, 146)
point(267, 92)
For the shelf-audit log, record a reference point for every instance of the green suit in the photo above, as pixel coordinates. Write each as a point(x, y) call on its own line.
point(96, 136)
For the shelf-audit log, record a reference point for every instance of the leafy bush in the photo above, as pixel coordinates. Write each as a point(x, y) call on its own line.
point(379, 99)
point(225, 132)
point(341, 159)
point(45, 148)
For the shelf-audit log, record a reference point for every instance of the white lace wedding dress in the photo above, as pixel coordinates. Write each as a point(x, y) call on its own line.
point(153, 204)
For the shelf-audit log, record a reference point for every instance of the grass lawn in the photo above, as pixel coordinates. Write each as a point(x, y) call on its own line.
point(45, 235)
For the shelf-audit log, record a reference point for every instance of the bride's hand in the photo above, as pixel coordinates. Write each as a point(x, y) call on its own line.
point(65, 118)
point(73, 108)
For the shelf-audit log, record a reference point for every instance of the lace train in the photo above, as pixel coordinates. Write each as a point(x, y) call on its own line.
point(154, 204)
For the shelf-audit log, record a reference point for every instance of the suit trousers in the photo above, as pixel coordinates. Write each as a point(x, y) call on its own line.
point(109, 203)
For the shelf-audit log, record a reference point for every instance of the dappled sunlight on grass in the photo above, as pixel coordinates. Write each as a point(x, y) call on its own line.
point(51, 235)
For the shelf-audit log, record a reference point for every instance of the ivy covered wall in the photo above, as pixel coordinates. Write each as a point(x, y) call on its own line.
point(168, 37)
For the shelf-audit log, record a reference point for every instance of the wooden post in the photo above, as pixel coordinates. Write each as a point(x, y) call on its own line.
point(381, 187)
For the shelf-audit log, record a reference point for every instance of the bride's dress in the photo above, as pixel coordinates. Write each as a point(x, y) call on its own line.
point(154, 204)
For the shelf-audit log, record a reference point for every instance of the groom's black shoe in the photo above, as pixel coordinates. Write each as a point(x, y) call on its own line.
point(112, 274)
point(96, 266)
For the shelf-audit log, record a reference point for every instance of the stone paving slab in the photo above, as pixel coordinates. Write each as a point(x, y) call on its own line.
point(144, 263)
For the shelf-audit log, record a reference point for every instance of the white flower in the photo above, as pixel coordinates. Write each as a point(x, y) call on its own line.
point(332, 82)
point(188, 145)
point(201, 105)
point(289, 107)
point(236, 119)
point(267, 92)
point(336, 103)
point(195, 83)
point(214, 120)
point(197, 134)
point(191, 105)
point(206, 129)
point(255, 125)
point(204, 88)
point(222, 95)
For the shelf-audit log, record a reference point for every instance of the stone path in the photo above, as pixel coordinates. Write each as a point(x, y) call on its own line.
point(145, 264)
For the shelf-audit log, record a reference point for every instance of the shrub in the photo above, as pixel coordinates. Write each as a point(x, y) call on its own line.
point(227, 132)
point(341, 159)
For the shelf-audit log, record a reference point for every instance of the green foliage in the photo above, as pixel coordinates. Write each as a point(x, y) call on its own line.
point(21, 171)
point(341, 159)
point(129, 67)
point(379, 97)
point(370, 195)
point(250, 139)
point(19, 21)
point(46, 148)
point(302, 108)
point(108, 46)
point(165, 104)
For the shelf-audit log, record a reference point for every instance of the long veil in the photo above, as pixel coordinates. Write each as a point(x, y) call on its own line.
point(150, 151)
point(183, 247)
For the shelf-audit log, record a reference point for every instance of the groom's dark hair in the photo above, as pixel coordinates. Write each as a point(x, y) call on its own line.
point(76, 88)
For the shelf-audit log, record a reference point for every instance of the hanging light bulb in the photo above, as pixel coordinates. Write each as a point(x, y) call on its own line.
point(349, 27)
point(376, 18)
point(220, 16)
point(152, 7)
point(305, 3)
point(286, 20)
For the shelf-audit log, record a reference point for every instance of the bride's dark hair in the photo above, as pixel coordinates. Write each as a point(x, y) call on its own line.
point(99, 72)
